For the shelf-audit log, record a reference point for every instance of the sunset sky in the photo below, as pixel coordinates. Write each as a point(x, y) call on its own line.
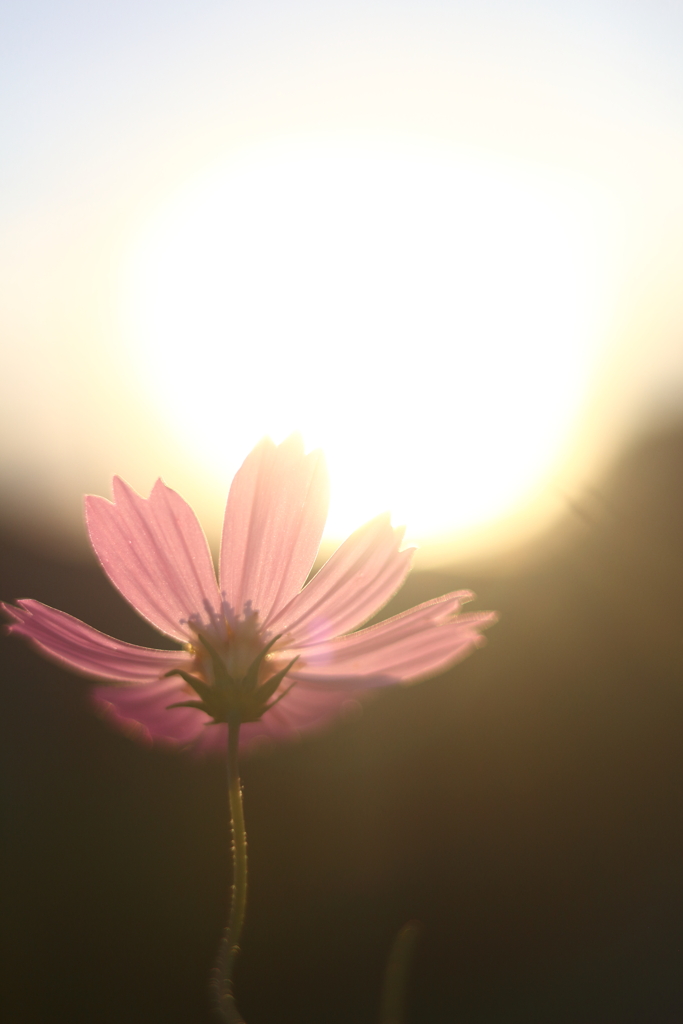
point(440, 240)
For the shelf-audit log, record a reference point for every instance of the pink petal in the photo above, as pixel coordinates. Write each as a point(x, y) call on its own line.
point(273, 524)
point(405, 648)
point(142, 711)
point(69, 641)
point(305, 707)
point(358, 579)
point(155, 553)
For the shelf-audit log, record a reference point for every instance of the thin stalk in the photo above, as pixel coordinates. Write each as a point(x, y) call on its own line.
point(393, 1008)
point(222, 976)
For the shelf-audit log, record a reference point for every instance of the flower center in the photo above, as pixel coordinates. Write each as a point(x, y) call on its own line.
point(236, 678)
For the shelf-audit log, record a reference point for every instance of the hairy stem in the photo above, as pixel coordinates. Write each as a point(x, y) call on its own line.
point(222, 978)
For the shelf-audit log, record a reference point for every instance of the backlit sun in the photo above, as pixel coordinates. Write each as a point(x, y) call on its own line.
point(430, 318)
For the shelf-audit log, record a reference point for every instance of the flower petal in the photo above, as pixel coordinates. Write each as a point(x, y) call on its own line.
point(143, 711)
point(274, 520)
point(404, 648)
point(358, 579)
point(73, 643)
point(305, 707)
point(155, 553)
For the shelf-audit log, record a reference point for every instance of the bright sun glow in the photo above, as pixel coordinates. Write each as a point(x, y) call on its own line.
point(428, 318)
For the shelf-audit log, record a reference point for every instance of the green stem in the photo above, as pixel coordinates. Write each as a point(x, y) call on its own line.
point(222, 978)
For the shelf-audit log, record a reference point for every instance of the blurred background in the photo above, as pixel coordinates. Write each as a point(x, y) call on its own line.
point(443, 242)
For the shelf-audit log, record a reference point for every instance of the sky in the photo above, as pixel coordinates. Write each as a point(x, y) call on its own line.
point(441, 240)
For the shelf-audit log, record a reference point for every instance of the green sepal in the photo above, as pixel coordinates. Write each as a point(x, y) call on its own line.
point(267, 689)
point(221, 675)
point(230, 701)
point(279, 698)
point(201, 688)
point(250, 681)
point(189, 704)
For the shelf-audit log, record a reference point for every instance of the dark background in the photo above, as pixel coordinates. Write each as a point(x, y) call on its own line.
point(526, 807)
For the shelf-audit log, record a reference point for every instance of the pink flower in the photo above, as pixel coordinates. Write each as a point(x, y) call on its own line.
point(260, 649)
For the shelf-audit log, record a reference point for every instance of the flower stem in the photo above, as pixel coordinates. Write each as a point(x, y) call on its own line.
point(393, 1009)
point(222, 976)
